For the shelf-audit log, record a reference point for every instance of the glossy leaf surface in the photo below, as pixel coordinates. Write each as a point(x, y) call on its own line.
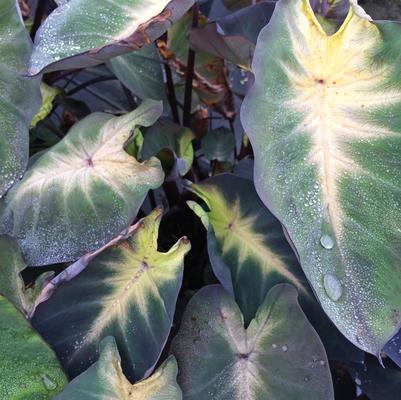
point(323, 119)
point(278, 356)
point(20, 96)
point(129, 291)
point(28, 367)
point(83, 191)
point(105, 380)
point(82, 33)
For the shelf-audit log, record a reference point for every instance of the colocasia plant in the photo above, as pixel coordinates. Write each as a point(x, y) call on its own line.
point(200, 200)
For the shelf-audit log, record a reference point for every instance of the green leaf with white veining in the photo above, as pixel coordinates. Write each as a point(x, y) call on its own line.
point(279, 355)
point(105, 380)
point(246, 244)
point(128, 291)
point(82, 33)
point(28, 367)
point(173, 137)
point(141, 72)
point(83, 191)
point(20, 96)
point(324, 122)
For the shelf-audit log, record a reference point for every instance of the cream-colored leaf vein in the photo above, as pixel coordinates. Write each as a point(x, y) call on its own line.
point(335, 86)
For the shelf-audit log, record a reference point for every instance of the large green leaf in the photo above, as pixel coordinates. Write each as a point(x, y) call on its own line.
point(279, 356)
point(246, 245)
point(28, 367)
point(82, 33)
point(129, 291)
point(20, 96)
point(105, 380)
point(83, 191)
point(323, 118)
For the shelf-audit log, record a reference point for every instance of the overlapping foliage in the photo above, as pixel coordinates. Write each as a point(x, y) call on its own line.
point(206, 205)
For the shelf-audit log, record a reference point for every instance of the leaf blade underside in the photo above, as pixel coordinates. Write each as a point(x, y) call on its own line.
point(83, 33)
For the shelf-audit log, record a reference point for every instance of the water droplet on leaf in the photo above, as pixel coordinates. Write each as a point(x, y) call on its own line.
point(327, 242)
point(49, 384)
point(332, 286)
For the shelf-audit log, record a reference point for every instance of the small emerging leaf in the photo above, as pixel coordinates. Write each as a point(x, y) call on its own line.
point(48, 95)
point(173, 137)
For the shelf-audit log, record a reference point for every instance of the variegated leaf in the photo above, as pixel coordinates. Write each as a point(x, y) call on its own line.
point(246, 245)
point(105, 380)
point(324, 121)
point(82, 33)
point(83, 191)
point(279, 355)
point(129, 291)
point(20, 96)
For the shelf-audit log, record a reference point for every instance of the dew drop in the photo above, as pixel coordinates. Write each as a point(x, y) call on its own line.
point(284, 348)
point(274, 346)
point(332, 286)
point(358, 381)
point(49, 384)
point(327, 242)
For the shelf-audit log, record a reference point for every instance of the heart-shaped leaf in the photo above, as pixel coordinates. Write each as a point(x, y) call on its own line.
point(20, 96)
point(28, 367)
point(83, 191)
point(105, 380)
point(219, 145)
point(129, 291)
point(278, 356)
point(323, 119)
point(82, 33)
point(246, 245)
